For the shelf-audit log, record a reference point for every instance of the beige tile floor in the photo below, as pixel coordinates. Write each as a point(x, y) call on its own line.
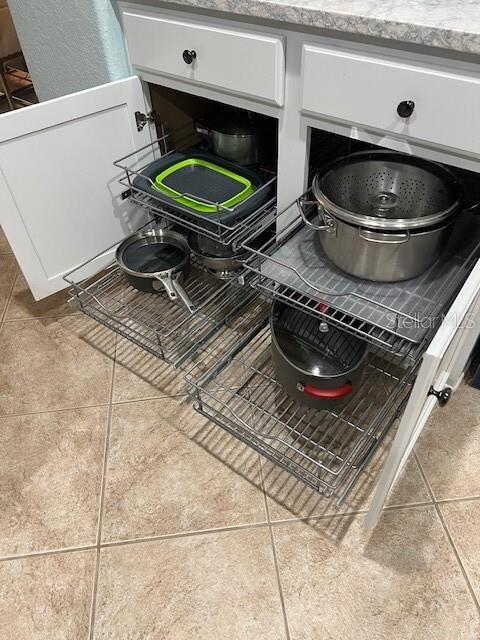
point(124, 515)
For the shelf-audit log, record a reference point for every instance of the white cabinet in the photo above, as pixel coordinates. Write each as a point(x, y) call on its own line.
point(441, 370)
point(366, 90)
point(59, 191)
point(230, 60)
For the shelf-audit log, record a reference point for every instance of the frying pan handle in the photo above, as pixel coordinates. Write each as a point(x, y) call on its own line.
point(182, 294)
point(328, 394)
point(168, 286)
point(175, 290)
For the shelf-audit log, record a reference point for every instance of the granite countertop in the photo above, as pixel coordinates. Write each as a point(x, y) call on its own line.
point(447, 24)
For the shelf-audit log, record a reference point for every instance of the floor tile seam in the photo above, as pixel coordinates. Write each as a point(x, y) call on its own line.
point(10, 292)
point(449, 536)
point(183, 534)
point(43, 317)
point(274, 551)
point(149, 399)
point(93, 600)
point(352, 513)
point(93, 603)
point(62, 409)
point(48, 552)
point(442, 501)
point(457, 556)
point(106, 447)
point(279, 582)
point(108, 544)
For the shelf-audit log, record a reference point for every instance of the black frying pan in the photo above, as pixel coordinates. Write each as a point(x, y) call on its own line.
point(155, 260)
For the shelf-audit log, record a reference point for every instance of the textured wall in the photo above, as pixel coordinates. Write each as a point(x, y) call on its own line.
point(70, 45)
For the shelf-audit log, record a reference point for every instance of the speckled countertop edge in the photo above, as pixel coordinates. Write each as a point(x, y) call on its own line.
point(447, 24)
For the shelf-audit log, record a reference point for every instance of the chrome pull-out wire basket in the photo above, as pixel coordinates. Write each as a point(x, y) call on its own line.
point(151, 320)
point(325, 449)
point(292, 267)
point(231, 233)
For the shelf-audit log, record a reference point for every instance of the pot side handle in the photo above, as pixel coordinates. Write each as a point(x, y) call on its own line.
point(202, 130)
point(384, 238)
point(328, 394)
point(329, 223)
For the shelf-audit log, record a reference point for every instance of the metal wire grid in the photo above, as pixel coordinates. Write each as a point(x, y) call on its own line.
point(292, 267)
point(325, 449)
point(369, 332)
point(232, 236)
point(233, 233)
point(152, 321)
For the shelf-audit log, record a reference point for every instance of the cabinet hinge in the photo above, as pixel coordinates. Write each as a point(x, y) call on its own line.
point(141, 119)
point(442, 396)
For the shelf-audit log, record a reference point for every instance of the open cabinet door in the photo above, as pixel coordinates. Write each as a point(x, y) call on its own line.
point(441, 370)
point(59, 192)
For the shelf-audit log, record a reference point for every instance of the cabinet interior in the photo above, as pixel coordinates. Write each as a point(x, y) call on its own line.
point(176, 114)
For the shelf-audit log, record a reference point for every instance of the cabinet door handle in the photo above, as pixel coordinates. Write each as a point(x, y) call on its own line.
point(405, 108)
point(189, 56)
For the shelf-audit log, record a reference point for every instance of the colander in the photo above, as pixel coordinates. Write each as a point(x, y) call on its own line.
point(385, 215)
point(388, 190)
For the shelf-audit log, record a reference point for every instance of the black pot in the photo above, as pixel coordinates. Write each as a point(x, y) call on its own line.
point(318, 364)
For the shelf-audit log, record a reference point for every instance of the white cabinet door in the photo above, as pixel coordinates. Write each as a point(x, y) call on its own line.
point(59, 191)
point(442, 368)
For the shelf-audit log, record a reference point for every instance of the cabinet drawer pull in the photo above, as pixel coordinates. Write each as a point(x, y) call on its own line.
point(189, 56)
point(405, 108)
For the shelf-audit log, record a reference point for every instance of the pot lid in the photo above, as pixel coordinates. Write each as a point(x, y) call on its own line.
point(308, 347)
point(388, 190)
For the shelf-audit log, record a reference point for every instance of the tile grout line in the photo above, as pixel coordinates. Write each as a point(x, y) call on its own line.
point(132, 541)
point(42, 317)
point(50, 552)
point(89, 406)
point(183, 534)
point(93, 604)
point(198, 532)
point(274, 553)
point(42, 411)
point(448, 535)
point(454, 500)
point(12, 287)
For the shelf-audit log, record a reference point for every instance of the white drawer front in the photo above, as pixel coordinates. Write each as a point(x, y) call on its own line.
point(367, 91)
point(233, 61)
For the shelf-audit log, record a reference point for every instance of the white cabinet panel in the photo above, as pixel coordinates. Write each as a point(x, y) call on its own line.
point(441, 368)
point(367, 90)
point(60, 198)
point(234, 61)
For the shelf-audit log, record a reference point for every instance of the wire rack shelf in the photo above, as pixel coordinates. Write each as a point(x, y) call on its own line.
point(325, 449)
point(292, 266)
point(141, 190)
point(152, 321)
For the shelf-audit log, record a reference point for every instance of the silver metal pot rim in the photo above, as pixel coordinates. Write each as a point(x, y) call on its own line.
point(391, 224)
point(409, 232)
point(304, 372)
point(177, 240)
point(220, 263)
